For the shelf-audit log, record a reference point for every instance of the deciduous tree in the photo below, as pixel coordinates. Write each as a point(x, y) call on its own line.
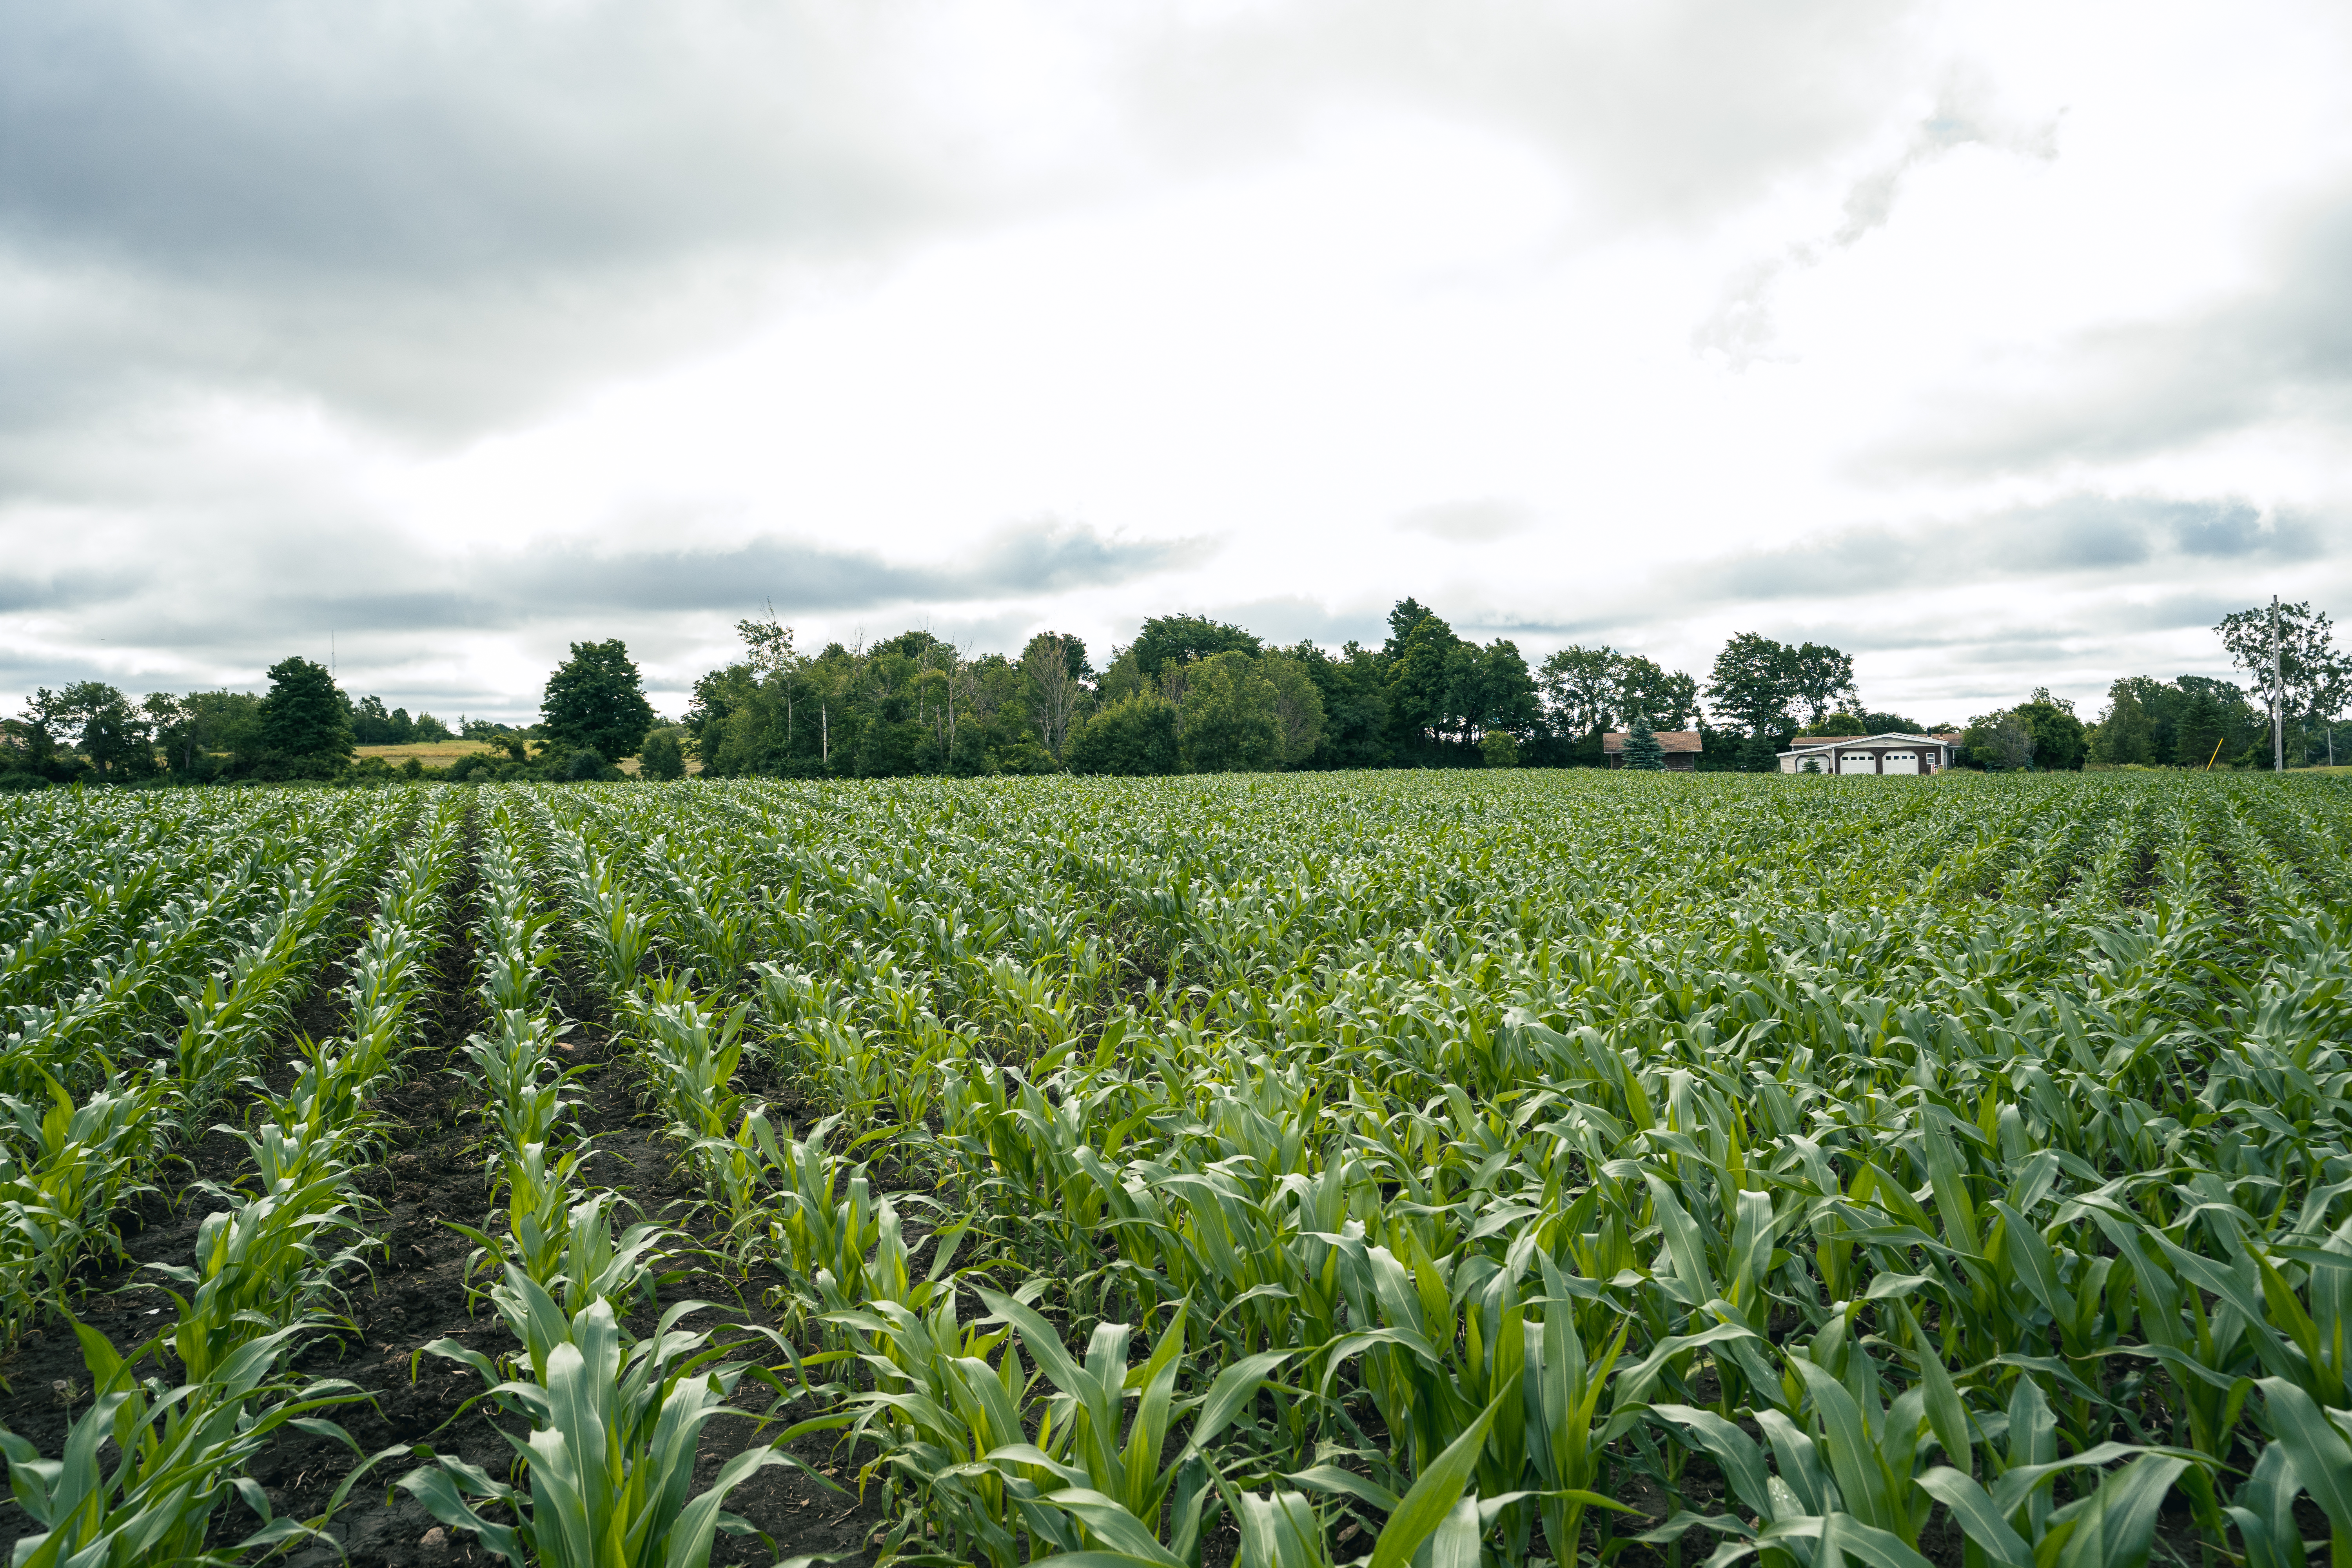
point(1755, 684)
point(305, 722)
point(660, 757)
point(1580, 687)
point(1297, 708)
point(1227, 722)
point(1819, 675)
point(2124, 737)
point(1135, 735)
point(595, 701)
point(2199, 730)
point(2306, 650)
point(1168, 640)
point(1052, 669)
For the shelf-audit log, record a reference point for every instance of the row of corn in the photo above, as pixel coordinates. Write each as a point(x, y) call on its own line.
point(188, 1001)
point(612, 1406)
point(174, 1425)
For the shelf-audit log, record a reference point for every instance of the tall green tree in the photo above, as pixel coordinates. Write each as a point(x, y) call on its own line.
point(1999, 742)
point(595, 701)
point(2058, 740)
point(1589, 691)
point(2124, 736)
point(1403, 617)
point(1755, 684)
point(1297, 708)
point(1422, 679)
point(1168, 640)
point(2306, 651)
point(1229, 719)
point(1134, 736)
point(1668, 697)
point(1056, 668)
point(1353, 687)
point(306, 725)
point(111, 731)
point(1580, 688)
point(1494, 690)
point(44, 728)
point(2199, 731)
point(1819, 676)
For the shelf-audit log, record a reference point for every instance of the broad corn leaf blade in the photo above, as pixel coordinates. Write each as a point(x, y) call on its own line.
point(1977, 1518)
point(2322, 1459)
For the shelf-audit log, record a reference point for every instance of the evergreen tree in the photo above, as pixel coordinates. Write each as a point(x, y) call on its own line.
point(305, 722)
point(595, 701)
point(1643, 753)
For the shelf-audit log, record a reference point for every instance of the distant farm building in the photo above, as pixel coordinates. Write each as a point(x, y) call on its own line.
point(1888, 753)
point(1682, 749)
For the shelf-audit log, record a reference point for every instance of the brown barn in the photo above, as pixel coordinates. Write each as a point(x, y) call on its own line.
point(1682, 747)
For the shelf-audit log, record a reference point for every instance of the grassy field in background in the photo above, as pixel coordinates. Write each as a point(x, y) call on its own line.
point(432, 753)
point(441, 754)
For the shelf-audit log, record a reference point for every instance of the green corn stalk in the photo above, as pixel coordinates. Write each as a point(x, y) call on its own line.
point(616, 1428)
point(61, 1173)
point(539, 1195)
point(179, 1454)
point(257, 1267)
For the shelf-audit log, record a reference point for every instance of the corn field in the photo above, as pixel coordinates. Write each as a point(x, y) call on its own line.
point(1435, 1169)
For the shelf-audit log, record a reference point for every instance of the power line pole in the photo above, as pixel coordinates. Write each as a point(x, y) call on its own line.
point(2278, 695)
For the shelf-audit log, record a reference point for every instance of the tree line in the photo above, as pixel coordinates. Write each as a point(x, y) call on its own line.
point(305, 728)
point(1192, 694)
point(1189, 694)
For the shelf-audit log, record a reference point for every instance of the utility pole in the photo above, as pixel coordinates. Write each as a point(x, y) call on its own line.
point(2278, 697)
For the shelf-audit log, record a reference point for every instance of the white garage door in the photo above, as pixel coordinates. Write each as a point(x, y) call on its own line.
point(1857, 763)
point(1902, 761)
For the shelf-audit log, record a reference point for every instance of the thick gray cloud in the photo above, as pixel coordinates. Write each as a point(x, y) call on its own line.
point(172, 612)
point(389, 588)
point(2086, 533)
point(282, 289)
point(443, 217)
point(425, 144)
point(435, 216)
point(2281, 353)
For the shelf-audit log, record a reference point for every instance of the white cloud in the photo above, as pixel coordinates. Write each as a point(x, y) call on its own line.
point(456, 332)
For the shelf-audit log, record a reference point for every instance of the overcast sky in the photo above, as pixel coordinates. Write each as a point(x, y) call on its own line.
point(1998, 345)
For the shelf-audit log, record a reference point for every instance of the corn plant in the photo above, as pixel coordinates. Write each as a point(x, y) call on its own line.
point(179, 1454)
point(615, 1427)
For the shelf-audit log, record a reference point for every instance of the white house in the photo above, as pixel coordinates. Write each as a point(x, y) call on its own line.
point(1888, 753)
